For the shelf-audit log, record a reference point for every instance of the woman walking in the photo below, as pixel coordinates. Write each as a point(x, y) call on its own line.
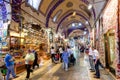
point(29, 58)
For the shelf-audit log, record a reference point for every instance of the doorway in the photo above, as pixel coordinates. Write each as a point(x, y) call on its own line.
point(109, 40)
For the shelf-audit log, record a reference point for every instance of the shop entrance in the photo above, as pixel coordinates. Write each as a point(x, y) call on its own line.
point(109, 39)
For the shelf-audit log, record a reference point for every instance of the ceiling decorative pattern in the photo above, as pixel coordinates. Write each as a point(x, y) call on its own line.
point(62, 3)
point(66, 24)
point(76, 32)
point(45, 6)
point(69, 4)
point(93, 10)
point(51, 11)
point(57, 15)
point(68, 16)
point(69, 31)
point(72, 11)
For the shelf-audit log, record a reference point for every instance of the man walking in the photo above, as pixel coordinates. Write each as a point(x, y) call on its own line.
point(9, 61)
point(97, 62)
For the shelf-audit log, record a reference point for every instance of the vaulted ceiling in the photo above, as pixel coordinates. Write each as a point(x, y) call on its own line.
point(60, 14)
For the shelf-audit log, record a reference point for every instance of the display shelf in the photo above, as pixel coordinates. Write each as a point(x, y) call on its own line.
point(20, 63)
point(17, 56)
point(3, 51)
point(19, 66)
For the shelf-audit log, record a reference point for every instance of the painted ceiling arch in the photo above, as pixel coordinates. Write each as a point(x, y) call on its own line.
point(75, 32)
point(51, 7)
point(73, 19)
point(71, 11)
point(51, 11)
point(68, 16)
point(93, 10)
point(46, 5)
point(56, 6)
point(67, 24)
point(71, 30)
point(74, 28)
point(80, 7)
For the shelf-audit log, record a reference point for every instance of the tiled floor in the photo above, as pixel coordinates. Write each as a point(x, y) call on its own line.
point(49, 71)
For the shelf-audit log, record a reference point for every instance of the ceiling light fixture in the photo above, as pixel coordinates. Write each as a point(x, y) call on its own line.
point(74, 13)
point(85, 32)
point(86, 22)
point(73, 24)
point(89, 6)
point(85, 29)
point(79, 24)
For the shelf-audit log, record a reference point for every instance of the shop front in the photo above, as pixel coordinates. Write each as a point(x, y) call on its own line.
point(108, 36)
point(109, 40)
point(27, 38)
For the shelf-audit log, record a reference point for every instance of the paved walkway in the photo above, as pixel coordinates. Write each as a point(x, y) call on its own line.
point(49, 71)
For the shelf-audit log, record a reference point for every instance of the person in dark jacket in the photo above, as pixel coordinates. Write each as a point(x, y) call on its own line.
point(35, 63)
point(72, 59)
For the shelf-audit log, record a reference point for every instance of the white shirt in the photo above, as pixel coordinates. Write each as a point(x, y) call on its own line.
point(90, 51)
point(96, 54)
point(60, 49)
point(52, 51)
point(29, 57)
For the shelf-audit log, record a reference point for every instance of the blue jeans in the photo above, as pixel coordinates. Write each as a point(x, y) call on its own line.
point(10, 69)
point(65, 66)
point(91, 62)
point(98, 63)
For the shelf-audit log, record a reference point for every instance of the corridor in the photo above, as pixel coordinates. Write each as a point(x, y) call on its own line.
point(49, 71)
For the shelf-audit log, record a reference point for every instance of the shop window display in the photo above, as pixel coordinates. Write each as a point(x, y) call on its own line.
point(3, 39)
point(112, 49)
point(16, 43)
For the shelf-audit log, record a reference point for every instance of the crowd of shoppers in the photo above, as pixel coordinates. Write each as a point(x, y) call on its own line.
point(64, 55)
